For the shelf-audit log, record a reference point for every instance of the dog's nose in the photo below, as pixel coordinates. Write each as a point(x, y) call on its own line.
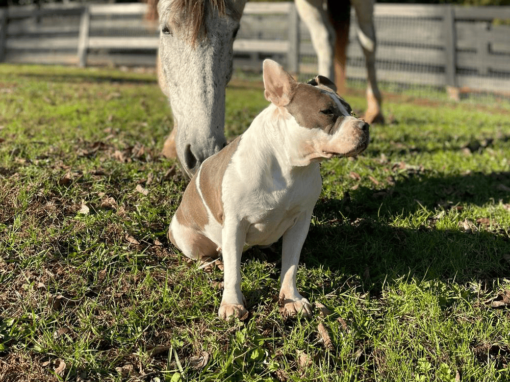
point(365, 127)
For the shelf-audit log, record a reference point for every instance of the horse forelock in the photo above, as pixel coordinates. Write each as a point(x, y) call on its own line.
point(190, 15)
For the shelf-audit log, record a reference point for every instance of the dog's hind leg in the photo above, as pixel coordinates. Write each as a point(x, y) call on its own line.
point(192, 243)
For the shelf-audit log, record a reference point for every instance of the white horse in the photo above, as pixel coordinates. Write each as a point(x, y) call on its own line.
point(195, 63)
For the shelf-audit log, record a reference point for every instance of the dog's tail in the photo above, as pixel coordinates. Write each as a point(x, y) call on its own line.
point(340, 16)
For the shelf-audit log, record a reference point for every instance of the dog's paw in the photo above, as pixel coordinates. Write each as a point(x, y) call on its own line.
point(232, 310)
point(291, 308)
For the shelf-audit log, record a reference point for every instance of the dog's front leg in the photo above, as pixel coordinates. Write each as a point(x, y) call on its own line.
point(293, 241)
point(233, 239)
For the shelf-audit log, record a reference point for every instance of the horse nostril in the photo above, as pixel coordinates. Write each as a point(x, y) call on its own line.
point(189, 158)
point(365, 127)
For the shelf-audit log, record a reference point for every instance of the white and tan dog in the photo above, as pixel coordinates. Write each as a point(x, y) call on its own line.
point(264, 185)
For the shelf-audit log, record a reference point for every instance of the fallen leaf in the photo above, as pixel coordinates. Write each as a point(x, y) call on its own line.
point(355, 175)
point(281, 375)
point(142, 190)
point(101, 275)
point(125, 370)
point(158, 349)
point(132, 240)
point(138, 150)
point(326, 339)
point(217, 285)
point(199, 362)
point(98, 172)
point(440, 215)
point(41, 286)
point(503, 300)
point(60, 367)
point(343, 323)
point(109, 203)
point(304, 360)
point(467, 225)
point(323, 311)
point(380, 194)
point(158, 243)
point(121, 212)
point(506, 207)
point(484, 221)
point(150, 178)
point(84, 210)
point(502, 187)
point(170, 173)
point(60, 332)
point(119, 156)
point(355, 187)
point(55, 302)
point(375, 181)
point(457, 376)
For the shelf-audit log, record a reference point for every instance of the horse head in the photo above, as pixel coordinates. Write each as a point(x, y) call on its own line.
point(194, 67)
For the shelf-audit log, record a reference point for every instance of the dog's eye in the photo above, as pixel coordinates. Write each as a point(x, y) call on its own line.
point(166, 30)
point(329, 112)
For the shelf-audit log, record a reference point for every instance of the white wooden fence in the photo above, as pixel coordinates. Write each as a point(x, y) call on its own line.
point(436, 45)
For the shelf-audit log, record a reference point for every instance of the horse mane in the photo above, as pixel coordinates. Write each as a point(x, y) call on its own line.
point(187, 14)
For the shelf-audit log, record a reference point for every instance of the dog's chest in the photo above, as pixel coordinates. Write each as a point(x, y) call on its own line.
point(278, 208)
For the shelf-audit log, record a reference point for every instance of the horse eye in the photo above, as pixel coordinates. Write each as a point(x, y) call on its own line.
point(166, 30)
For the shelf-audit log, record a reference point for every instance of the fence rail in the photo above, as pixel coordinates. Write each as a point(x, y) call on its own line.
point(435, 45)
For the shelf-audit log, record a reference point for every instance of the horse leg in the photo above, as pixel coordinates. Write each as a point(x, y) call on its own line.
point(366, 37)
point(169, 149)
point(323, 35)
point(340, 17)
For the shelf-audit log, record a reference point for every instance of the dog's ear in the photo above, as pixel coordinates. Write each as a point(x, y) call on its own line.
point(279, 86)
point(323, 81)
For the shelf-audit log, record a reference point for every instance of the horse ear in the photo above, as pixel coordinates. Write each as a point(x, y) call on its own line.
point(279, 86)
point(323, 81)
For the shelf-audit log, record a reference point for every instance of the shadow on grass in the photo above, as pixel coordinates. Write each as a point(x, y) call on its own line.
point(354, 235)
point(450, 143)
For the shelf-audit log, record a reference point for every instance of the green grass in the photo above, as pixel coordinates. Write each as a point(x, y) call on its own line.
point(409, 246)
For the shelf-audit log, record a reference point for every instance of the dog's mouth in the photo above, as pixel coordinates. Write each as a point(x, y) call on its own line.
point(356, 151)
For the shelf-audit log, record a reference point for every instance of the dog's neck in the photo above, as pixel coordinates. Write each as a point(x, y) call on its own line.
point(273, 131)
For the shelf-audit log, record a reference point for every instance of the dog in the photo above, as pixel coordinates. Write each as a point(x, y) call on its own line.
point(265, 183)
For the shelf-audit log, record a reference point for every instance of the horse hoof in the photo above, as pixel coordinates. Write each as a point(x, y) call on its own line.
point(374, 117)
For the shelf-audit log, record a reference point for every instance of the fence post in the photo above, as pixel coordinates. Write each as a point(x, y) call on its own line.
point(84, 37)
point(3, 33)
point(450, 52)
point(482, 48)
point(293, 53)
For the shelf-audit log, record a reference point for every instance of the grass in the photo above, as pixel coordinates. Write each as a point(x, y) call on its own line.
point(409, 246)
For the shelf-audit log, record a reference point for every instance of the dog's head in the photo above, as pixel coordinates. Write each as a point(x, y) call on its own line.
point(319, 119)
